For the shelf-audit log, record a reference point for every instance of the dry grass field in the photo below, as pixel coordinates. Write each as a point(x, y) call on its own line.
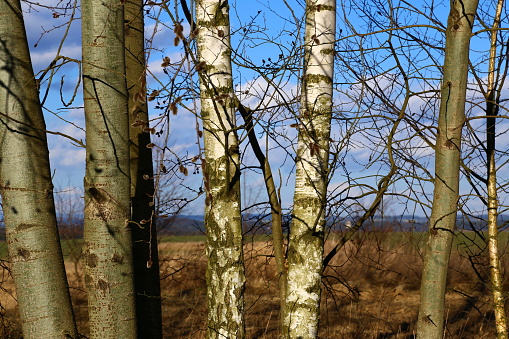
point(371, 290)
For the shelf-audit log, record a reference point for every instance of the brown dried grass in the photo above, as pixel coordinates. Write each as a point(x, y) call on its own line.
point(371, 290)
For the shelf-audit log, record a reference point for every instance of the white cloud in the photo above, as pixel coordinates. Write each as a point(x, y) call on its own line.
point(41, 58)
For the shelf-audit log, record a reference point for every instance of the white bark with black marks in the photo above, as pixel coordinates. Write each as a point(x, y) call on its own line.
point(305, 254)
point(225, 270)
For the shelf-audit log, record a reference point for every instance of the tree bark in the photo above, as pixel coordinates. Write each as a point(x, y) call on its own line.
point(27, 190)
point(276, 211)
point(225, 269)
point(145, 254)
point(305, 253)
point(107, 248)
point(491, 113)
point(430, 323)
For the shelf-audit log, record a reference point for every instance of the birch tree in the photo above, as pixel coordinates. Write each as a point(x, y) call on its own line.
point(145, 254)
point(430, 323)
point(225, 269)
point(27, 190)
point(492, 102)
point(107, 236)
point(305, 252)
point(491, 88)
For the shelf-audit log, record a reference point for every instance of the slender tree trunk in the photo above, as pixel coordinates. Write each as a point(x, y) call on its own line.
point(107, 247)
point(275, 206)
point(145, 254)
point(430, 323)
point(27, 190)
point(225, 270)
point(305, 253)
point(491, 113)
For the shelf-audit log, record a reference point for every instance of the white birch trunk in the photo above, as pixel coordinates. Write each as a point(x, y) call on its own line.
point(494, 254)
point(225, 270)
point(305, 255)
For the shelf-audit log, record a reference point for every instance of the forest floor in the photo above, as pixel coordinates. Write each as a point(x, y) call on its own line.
point(371, 290)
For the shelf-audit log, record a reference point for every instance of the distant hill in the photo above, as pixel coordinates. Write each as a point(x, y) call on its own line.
point(72, 227)
point(181, 225)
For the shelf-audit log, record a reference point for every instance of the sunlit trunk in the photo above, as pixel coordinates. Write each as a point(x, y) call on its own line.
point(491, 113)
point(27, 190)
point(107, 248)
point(305, 253)
point(430, 324)
point(225, 270)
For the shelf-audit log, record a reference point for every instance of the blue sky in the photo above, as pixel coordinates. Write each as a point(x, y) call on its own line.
point(68, 161)
point(270, 30)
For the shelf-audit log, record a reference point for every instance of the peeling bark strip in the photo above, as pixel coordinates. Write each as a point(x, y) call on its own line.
point(107, 237)
point(225, 269)
point(305, 253)
point(430, 324)
point(27, 190)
